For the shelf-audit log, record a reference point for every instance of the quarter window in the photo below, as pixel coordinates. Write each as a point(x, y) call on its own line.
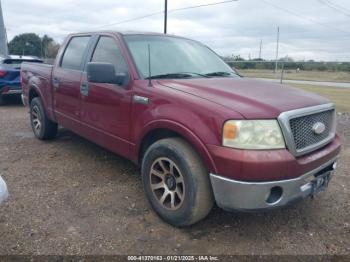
point(74, 53)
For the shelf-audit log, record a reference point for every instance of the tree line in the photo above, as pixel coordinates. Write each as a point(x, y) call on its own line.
point(31, 44)
point(288, 64)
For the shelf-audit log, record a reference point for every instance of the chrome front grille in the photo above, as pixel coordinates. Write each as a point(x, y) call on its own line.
point(302, 128)
point(308, 129)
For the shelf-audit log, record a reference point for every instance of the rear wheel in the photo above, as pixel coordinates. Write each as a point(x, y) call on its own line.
point(42, 126)
point(176, 182)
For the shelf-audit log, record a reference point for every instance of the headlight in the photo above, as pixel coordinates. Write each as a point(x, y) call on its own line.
point(253, 134)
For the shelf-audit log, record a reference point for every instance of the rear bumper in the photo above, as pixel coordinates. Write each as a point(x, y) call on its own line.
point(239, 195)
point(11, 90)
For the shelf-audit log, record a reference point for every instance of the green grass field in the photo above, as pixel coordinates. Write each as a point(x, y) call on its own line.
point(339, 96)
point(301, 75)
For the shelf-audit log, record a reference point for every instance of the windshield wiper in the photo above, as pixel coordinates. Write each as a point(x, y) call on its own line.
point(177, 75)
point(223, 74)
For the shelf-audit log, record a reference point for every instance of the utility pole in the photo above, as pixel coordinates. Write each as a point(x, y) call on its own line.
point(165, 15)
point(3, 35)
point(260, 49)
point(278, 39)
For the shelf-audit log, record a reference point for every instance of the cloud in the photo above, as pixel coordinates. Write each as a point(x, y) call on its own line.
point(308, 29)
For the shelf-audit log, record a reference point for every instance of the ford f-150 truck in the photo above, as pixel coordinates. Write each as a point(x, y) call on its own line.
point(200, 132)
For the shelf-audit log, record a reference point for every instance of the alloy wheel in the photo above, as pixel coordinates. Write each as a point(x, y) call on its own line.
point(167, 183)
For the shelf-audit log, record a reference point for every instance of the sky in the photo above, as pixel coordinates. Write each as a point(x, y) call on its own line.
point(309, 29)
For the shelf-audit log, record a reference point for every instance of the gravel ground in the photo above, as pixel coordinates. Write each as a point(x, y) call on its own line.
point(69, 196)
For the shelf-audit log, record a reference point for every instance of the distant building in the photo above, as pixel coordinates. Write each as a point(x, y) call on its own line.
point(3, 35)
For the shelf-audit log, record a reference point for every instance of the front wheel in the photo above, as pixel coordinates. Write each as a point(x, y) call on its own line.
point(176, 182)
point(42, 126)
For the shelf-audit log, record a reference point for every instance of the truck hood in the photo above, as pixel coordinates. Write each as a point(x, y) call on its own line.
point(251, 98)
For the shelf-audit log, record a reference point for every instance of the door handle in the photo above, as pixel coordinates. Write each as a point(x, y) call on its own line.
point(56, 82)
point(84, 89)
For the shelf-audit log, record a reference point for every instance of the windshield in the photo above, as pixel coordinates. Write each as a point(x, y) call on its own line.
point(173, 57)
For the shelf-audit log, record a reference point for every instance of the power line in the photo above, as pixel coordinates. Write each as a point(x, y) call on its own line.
point(161, 12)
point(203, 5)
point(339, 6)
point(130, 20)
point(330, 5)
point(303, 17)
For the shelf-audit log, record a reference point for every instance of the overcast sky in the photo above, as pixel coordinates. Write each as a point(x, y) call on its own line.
point(310, 29)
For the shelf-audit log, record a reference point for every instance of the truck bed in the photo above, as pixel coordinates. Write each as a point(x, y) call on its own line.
point(37, 78)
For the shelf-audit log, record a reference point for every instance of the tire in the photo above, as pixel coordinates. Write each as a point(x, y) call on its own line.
point(176, 182)
point(43, 127)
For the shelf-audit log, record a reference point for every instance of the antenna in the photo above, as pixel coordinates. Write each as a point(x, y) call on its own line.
point(149, 66)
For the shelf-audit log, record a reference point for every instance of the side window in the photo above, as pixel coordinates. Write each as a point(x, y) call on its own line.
point(73, 55)
point(108, 51)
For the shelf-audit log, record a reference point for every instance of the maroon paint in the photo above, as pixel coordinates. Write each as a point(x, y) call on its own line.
point(194, 108)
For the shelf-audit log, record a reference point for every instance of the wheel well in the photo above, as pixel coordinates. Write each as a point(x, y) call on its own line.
point(154, 136)
point(32, 94)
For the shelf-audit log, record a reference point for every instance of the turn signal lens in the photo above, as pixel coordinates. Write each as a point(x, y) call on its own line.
point(230, 130)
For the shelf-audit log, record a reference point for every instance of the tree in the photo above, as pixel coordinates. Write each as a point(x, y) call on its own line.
point(31, 44)
point(52, 49)
point(45, 42)
point(25, 44)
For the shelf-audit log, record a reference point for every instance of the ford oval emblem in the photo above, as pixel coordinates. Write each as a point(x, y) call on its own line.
point(318, 128)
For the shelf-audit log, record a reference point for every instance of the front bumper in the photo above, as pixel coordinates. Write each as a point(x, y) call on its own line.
point(238, 195)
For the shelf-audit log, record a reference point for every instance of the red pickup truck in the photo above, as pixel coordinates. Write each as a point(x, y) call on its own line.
point(200, 132)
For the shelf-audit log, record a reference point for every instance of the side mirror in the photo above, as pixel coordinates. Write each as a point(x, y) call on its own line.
point(105, 73)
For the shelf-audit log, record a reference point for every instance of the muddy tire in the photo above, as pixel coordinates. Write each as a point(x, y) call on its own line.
point(176, 182)
point(43, 127)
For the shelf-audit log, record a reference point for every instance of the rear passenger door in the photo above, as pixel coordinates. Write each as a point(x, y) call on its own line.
point(66, 80)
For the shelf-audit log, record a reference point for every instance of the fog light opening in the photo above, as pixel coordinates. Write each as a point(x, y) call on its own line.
point(275, 195)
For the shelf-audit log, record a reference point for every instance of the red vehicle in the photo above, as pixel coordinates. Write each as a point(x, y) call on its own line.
point(201, 133)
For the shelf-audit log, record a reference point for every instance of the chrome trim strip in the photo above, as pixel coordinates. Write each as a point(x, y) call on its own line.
point(140, 100)
point(285, 117)
point(232, 194)
point(13, 92)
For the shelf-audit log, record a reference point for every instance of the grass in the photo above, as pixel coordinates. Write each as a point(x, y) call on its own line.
point(339, 96)
point(301, 75)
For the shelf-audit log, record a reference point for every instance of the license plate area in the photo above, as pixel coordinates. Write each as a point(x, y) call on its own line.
point(320, 183)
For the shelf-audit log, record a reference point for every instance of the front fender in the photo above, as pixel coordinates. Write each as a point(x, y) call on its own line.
point(184, 132)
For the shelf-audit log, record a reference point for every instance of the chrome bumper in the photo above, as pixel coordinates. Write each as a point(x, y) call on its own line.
point(14, 92)
point(3, 190)
point(238, 195)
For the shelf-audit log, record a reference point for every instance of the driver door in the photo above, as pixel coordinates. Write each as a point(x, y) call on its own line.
point(105, 108)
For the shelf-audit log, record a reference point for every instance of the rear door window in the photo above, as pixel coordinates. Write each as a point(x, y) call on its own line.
point(74, 53)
